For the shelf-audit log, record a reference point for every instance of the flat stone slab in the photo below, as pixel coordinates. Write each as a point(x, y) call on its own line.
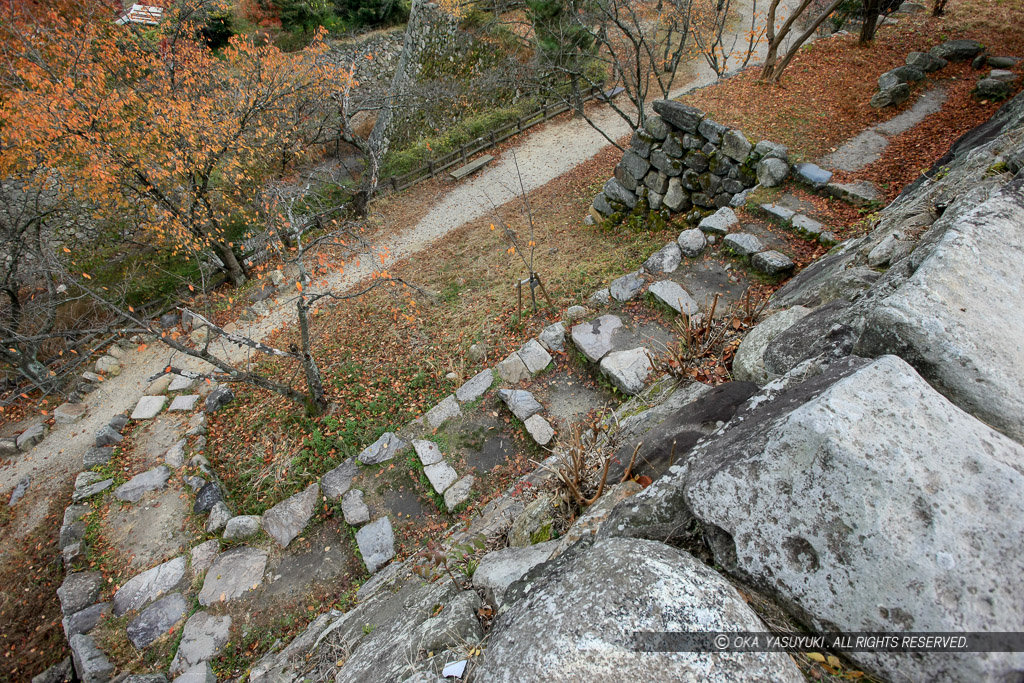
point(90, 489)
point(107, 436)
point(861, 193)
point(232, 574)
point(813, 175)
point(175, 455)
point(69, 413)
point(78, 591)
point(338, 481)
point(150, 480)
point(376, 543)
point(427, 451)
point(779, 212)
point(742, 244)
point(203, 638)
point(458, 492)
point(720, 222)
point(626, 287)
point(674, 296)
point(534, 356)
point(148, 586)
point(594, 338)
point(475, 387)
point(665, 260)
point(442, 412)
point(513, 369)
point(381, 450)
point(441, 476)
point(180, 383)
point(183, 403)
point(772, 262)
point(285, 520)
point(520, 402)
point(157, 620)
point(241, 527)
point(627, 370)
point(91, 665)
point(539, 429)
point(808, 227)
point(354, 509)
point(31, 436)
point(204, 554)
point(85, 620)
point(148, 407)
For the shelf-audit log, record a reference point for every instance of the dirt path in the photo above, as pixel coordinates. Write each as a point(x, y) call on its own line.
point(543, 156)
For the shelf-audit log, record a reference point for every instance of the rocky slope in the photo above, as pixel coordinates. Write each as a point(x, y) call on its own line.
point(871, 483)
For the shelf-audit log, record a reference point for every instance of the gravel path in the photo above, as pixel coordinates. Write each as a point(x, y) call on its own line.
point(543, 156)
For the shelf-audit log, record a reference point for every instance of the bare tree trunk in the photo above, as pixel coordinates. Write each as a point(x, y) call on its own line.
point(577, 97)
point(801, 39)
point(314, 381)
point(233, 269)
point(939, 8)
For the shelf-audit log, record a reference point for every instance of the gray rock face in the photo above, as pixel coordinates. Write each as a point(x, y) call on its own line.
point(748, 364)
point(956, 50)
point(232, 574)
point(8, 446)
point(354, 509)
point(175, 455)
point(85, 620)
point(824, 334)
point(501, 568)
point(19, 490)
point(241, 527)
point(203, 555)
point(772, 262)
point(616, 587)
point(148, 586)
point(338, 481)
point(552, 337)
point(626, 287)
point(458, 493)
point(108, 365)
point(62, 672)
point(534, 356)
point(218, 398)
point(539, 429)
point(616, 192)
point(808, 227)
point(69, 413)
point(220, 513)
point(208, 496)
point(376, 543)
point(381, 450)
point(681, 116)
point(674, 296)
point(574, 313)
point(513, 369)
point(771, 172)
point(156, 620)
point(203, 637)
point(635, 165)
point(992, 88)
point(150, 480)
point(534, 524)
point(966, 344)
point(477, 386)
point(285, 520)
point(78, 591)
point(676, 198)
point(200, 673)
point(183, 403)
point(691, 242)
point(892, 96)
point(31, 436)
point(742, 244)
point(88, 484)
point(594, 338)
point(720, 222)
point(925, 61)
point(521, 403)
point(871, 480)
point(736, 146)
point(627, 370)
point(600, 298)
point(665, 260)
point(91, 665)
point(656, 127)
point(447, 409)
point(813, 175)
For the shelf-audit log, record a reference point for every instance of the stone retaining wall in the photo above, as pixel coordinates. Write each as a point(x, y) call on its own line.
point(682, 162)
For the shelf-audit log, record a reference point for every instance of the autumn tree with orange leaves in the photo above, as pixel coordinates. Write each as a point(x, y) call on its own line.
point(154, 126)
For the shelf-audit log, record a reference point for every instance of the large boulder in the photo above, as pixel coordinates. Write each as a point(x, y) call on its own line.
point(956, 50)
point(958, 319)
point(861, 500)
point(681, 116)
point(285, 520)
point(748, 363)
point(578, 621)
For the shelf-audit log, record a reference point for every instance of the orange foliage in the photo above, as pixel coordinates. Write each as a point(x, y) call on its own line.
point(154, 125)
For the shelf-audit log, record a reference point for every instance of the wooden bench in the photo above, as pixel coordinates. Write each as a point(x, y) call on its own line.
point(611, 94)
point(471, 167)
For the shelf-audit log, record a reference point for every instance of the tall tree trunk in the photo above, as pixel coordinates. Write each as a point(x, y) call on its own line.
point(577, 97)
point(801, 39)
point(232, 268)
point(870, 25)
